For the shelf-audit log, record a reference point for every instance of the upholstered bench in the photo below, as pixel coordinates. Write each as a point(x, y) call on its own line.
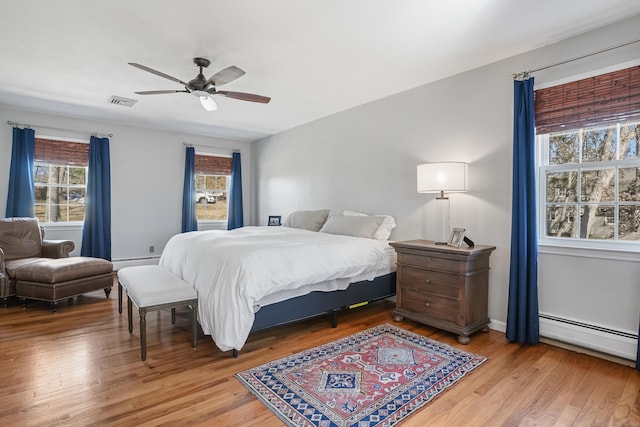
point(56, 279)
point(151, 287)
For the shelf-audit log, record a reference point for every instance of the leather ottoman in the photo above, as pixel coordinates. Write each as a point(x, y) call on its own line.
point(54, 280)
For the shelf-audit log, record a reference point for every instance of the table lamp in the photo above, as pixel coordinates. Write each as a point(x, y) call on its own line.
point(441, 178)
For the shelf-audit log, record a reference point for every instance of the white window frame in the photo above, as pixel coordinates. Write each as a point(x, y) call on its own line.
point(215, 221)
point(617, 249)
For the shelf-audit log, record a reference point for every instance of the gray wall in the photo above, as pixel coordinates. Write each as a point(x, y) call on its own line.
point(147, 173)
point(365, 159)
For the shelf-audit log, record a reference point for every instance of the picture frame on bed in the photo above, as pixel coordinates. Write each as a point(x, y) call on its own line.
point(456, 237)
point(274, 220)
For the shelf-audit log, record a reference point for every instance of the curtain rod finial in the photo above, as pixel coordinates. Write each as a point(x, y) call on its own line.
point(523, 75)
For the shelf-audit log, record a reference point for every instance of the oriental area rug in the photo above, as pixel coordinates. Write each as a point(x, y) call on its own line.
point(376, 377)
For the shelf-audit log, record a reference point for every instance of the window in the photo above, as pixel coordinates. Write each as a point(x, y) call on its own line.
point(590, 183)
point(213, 176)
point(60, 180)
point(589, 169)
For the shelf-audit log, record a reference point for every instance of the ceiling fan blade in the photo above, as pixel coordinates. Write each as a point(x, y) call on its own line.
point(225, 76)
point(158, 73)
point(244, 96)
point(159, 92)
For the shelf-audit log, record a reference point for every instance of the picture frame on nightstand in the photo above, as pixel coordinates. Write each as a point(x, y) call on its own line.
point(274, 220)
point(456, 237)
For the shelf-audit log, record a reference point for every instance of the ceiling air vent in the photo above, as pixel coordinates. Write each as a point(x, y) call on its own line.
point(124, 102)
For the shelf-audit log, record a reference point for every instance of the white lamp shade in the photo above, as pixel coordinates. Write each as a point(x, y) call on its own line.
point(449, 177)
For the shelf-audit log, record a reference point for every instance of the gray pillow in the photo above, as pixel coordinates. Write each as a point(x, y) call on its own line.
point(356, 226)
point(386, 226)
point(307, 220)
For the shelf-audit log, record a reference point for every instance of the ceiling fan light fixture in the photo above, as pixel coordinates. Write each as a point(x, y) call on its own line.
point(206, 100)
point(208, 103)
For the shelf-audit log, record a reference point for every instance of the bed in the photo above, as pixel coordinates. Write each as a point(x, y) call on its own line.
point(254, 278)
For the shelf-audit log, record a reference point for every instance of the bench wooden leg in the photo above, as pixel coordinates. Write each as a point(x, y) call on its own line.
point(129, 314)
point(143, 333)
point(173, 315)
point(194, 324)
point(119, 298)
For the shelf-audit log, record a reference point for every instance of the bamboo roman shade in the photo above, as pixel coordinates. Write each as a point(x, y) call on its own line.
point(61, 152)
point(611, 97)
point(212, 165)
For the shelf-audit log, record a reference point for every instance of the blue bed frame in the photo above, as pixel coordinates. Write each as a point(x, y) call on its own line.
point(318, 303)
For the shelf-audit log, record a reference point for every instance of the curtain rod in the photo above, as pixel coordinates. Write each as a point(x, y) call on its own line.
point(10, 123)
point(234, 150)
point(526, 74)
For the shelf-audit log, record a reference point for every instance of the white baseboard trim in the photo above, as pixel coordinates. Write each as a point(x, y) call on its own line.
point(618, 345)
point(603, 341)
point(497, 325)
point(130, 262)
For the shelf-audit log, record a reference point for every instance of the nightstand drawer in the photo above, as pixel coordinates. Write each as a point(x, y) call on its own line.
point(430, 305)
point(430, 262)
point(431, 281)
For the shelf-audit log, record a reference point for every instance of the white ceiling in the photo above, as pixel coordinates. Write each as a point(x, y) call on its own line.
point(312, 57)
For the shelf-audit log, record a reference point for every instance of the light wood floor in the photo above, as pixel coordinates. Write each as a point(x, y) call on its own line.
point(81, 367)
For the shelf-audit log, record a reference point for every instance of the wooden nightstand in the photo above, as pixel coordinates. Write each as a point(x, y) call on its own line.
point(443, 286)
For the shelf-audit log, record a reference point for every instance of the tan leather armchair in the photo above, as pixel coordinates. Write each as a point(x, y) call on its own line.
point(22, 243)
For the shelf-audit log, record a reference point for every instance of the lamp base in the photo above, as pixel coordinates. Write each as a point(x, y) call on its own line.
point(438, 221)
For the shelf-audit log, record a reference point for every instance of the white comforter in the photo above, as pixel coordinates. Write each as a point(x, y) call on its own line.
point(233, 271)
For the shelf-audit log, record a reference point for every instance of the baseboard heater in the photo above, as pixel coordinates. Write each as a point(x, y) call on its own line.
point(605, 340)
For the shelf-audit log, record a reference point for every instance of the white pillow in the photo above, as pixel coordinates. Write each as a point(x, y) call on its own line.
point(384, 229)
point(307, 220)
point(356, 226)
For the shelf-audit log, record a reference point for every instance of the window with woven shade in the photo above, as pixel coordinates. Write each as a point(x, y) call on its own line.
point(60, 180)
point(589, 133)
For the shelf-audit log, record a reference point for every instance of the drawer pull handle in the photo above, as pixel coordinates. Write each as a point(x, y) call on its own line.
point(427, 304)
point(427, 281)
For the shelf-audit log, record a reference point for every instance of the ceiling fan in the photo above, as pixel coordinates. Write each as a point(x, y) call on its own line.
point(205, 88)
